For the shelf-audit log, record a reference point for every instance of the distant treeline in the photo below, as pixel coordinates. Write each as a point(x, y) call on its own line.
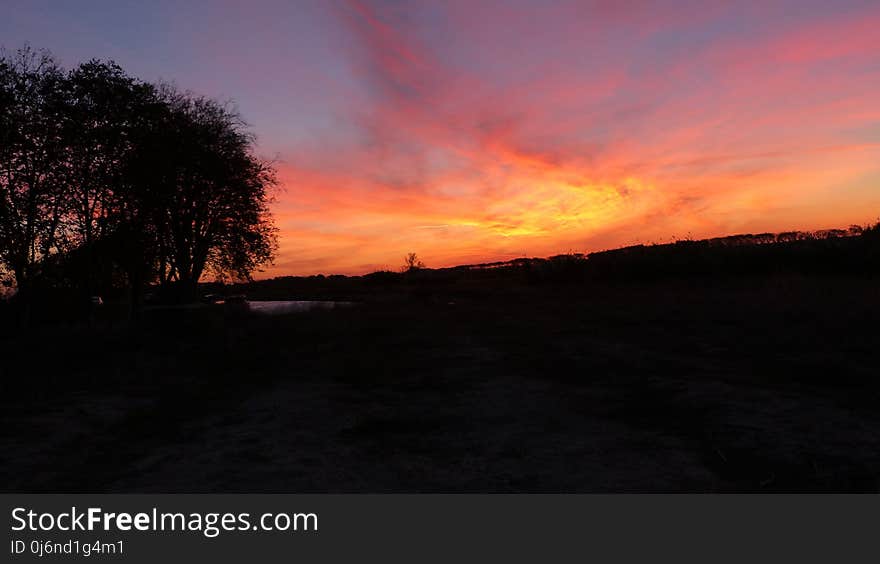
point(845, 251)
point(108, 183)
point(838, 251)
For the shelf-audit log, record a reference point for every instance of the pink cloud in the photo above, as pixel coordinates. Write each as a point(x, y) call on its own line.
point(463, 160)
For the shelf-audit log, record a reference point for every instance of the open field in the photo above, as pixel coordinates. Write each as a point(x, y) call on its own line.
point(758, 383)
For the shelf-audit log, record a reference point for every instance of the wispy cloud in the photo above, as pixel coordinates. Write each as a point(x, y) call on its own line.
point(616, 122)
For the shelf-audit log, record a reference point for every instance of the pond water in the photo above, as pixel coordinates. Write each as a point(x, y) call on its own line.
point(275, 307)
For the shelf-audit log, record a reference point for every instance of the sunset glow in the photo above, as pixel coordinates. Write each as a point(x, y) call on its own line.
point(473, 133)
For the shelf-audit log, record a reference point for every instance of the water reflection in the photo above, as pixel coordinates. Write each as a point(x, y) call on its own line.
point(276, 307)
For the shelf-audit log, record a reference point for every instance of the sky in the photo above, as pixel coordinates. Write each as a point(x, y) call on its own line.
point(479, 130)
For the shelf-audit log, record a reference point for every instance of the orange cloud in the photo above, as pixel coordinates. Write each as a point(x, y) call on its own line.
point(654, 132)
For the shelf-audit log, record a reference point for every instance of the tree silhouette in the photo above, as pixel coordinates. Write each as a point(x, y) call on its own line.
point(210, 193)
point(108, 181)
point(31, 203)
point(103, 107)
point(411, 262)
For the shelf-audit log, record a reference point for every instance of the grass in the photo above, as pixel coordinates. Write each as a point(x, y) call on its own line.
point(756, 383)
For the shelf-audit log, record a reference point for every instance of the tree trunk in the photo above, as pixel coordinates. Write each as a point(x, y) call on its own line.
point(23, 297)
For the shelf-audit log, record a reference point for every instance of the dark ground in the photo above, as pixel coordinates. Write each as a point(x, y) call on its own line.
point(766, 383)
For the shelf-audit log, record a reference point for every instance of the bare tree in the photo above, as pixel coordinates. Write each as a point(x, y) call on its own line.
point(211, 194)
point(102, 174)
point(31, 206)
point(411, 262)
